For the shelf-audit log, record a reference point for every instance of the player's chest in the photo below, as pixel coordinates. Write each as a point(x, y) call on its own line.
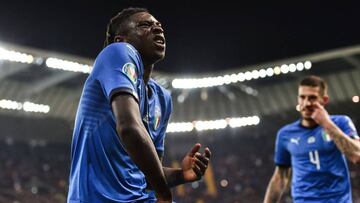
point(300, 144)
point(151, 111)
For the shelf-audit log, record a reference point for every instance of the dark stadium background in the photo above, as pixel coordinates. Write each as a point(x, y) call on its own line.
point(203, 39)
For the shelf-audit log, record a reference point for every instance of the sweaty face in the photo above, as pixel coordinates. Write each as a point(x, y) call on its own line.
point(147, 36)
point(307, 96)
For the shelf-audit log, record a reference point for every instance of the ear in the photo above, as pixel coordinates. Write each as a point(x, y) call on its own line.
point(325, 99)
point(119, 38)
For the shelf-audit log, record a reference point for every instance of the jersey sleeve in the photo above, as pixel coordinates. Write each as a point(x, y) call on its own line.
point(348, 127)
point(160, 141)
point(282, 155)
point(117, 69)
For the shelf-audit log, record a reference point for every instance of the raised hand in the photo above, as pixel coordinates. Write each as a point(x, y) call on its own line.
point(320, 115)
point(194, 164)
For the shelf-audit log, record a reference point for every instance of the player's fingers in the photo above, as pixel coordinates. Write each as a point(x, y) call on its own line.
point(195, 149)
point(317, 105)
point(202, 158)
point(202, 166)
point(197, 171)
point(207, 153)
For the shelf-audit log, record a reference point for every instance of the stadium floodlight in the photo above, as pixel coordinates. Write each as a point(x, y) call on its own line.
point(277, 70)
point(180, 127)
point(255, 74)
point(241, 77)
point(269, 72)
point(212, 124)
point(227, 79)
point(262, 73)
point(236, 122)
point(26, 106)
point(11, 105)
point(15, 56)
point(38, 108)
point(307, 65)
point(248, 75)
point(233, 78)
point(191, 83)
point(292, 68)
point(244, 121)
point(284, 68)
point(299, 66)
point(67, 65)
point(355, 99)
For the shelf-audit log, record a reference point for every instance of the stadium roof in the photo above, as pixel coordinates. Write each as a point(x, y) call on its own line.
point(202, 36)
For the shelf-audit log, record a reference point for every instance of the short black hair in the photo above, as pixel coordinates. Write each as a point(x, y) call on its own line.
point(315, 81)
point(115, 25)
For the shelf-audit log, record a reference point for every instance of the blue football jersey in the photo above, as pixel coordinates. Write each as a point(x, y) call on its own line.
point(319, 169)
point(101, 169)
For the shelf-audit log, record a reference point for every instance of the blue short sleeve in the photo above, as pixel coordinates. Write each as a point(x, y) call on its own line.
point(117, 68)
point(348, 127)
point(282, 155)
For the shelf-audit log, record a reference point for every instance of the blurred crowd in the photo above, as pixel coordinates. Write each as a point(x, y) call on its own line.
point(33, 171)
point(241, 167)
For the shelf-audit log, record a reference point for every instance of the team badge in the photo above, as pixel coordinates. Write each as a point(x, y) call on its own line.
point(326, 136)
point(130, 70)
point(157, 117)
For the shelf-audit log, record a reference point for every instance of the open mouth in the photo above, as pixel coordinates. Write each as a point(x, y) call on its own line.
point(159, 40)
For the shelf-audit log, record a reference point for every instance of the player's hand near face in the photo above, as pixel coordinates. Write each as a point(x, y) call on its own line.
point(320, 115)
point(195, 164)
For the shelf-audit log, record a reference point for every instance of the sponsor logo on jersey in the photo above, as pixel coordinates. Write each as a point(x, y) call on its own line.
point(295, 140)
point(130, 70)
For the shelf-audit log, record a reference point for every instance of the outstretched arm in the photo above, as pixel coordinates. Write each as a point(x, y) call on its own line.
point(138, 144)
point(277, 185)
point(348, 146)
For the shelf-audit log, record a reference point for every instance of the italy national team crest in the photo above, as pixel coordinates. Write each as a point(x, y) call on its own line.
point(157, 117)
point(130, 70)
point(326, 136)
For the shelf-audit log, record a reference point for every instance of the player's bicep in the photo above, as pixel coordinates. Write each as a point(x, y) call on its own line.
point(126, 110)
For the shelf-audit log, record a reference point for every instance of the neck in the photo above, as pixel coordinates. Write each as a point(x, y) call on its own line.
point(308, 123)
point(147, 73)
